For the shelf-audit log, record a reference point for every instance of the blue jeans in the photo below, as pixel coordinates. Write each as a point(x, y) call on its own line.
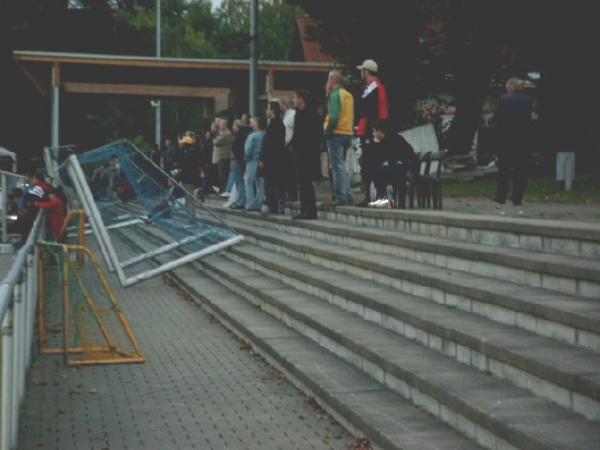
point(237, 180)
point(338, 146)
point(255, 186)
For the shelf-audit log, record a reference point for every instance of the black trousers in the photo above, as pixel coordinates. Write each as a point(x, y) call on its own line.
point(308, 201)
point(275, 191)
point(513, 169)
point(395, 176)
point(292, 182)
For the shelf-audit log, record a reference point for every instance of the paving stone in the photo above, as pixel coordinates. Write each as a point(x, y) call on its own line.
point(196, 378)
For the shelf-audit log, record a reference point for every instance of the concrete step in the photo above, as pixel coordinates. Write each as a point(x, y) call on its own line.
point(362, 405)
point(550, 236)
point(568, 274)
point(569, 319)
point(493, 412)
point(559, 372)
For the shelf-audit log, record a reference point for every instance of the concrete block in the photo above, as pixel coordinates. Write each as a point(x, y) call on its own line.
point(397, 385)
point(458, 264)
point(373, 370)
point(479, 360)
point(589, 249)
point(373, 316)
point(508, 240)
point(526, 322)
point(449, 348)
point(533, 279)
point(424, 401)
point(555, 330)
point(463, 354)
point(466, 426)
point(435, 342)
point(448, 416)
point(484, 438)
point(437, 295)
point(393, 324)
point(495, 313)
point(409, 331)
point(422, 337)
point(530, 242)
point(560, 284)
point(588, 289)
point(586, 406)
point(564, 246)
point(457, 233)
point(501, 444)
point(589, 340)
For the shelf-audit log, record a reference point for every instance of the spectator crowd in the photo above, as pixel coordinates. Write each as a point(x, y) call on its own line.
point(261, 163)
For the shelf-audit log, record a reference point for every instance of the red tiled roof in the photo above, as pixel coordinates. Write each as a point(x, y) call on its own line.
point(311, 48)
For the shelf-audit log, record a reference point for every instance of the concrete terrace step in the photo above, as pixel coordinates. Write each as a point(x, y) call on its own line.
point(552, 236)
point(569, 319)
point(361, 404)
point(566, 375)
point(568, 274)
point(493, 412)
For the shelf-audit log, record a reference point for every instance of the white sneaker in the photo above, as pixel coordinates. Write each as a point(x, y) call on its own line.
point(215, 189)
point(225, 194)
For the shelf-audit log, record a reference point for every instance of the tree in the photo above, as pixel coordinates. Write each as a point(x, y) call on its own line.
point(419, 42)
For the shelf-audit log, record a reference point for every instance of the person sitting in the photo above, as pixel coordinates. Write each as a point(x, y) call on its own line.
point(391, 157)
point(56, 207)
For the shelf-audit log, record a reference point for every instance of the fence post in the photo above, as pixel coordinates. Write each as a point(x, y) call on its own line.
point(7, 387)
point(16, 362)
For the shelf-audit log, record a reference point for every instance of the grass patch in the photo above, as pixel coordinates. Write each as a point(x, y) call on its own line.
point(586, 190)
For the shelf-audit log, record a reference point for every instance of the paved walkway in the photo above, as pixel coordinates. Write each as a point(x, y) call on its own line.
point(198, 389)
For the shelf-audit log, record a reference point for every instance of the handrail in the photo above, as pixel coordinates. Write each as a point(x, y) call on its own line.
point(18, 298)
point(11, 279)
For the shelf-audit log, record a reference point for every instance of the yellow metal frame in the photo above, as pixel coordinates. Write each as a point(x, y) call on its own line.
point(109, 354)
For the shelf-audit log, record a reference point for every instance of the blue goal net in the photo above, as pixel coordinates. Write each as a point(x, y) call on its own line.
point(144, 220)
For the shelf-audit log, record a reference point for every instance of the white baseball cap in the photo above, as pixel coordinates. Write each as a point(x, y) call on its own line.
point(368, 64)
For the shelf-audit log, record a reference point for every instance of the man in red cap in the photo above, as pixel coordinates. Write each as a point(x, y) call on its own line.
point(372, 107)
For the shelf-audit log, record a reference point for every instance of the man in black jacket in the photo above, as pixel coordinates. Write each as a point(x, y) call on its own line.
point(513, 117)
point(306, 147)
point(272, 160)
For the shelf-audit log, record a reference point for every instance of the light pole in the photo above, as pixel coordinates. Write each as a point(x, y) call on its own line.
point(253, 57)
point(158, 107)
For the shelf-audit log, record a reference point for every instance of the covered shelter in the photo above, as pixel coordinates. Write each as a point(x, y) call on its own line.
point(217, 83)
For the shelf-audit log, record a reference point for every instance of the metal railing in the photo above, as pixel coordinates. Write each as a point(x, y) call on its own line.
point(8, 182)
point(18, 298)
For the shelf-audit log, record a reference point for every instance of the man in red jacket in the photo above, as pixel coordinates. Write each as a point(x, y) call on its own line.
point(57, 211)
point(372, 107)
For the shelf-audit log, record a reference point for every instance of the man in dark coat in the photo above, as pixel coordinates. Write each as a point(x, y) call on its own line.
point(513, 117)
point(273, 160)
point(306, 148)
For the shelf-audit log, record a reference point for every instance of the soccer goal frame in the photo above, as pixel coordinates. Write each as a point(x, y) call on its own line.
point(107, 249)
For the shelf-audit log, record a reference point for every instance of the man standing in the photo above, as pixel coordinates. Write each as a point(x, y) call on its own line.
point(306, 148)
point(238, 164)
point(188, 160)
point(513, 116)
point(372, 106)
point(273, 160)
point(255, 189)
point(288, 115)
point(338, 135)
point(222, 144)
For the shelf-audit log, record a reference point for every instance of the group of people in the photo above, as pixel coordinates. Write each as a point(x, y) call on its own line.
point(37, 194)
point(267, 162)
